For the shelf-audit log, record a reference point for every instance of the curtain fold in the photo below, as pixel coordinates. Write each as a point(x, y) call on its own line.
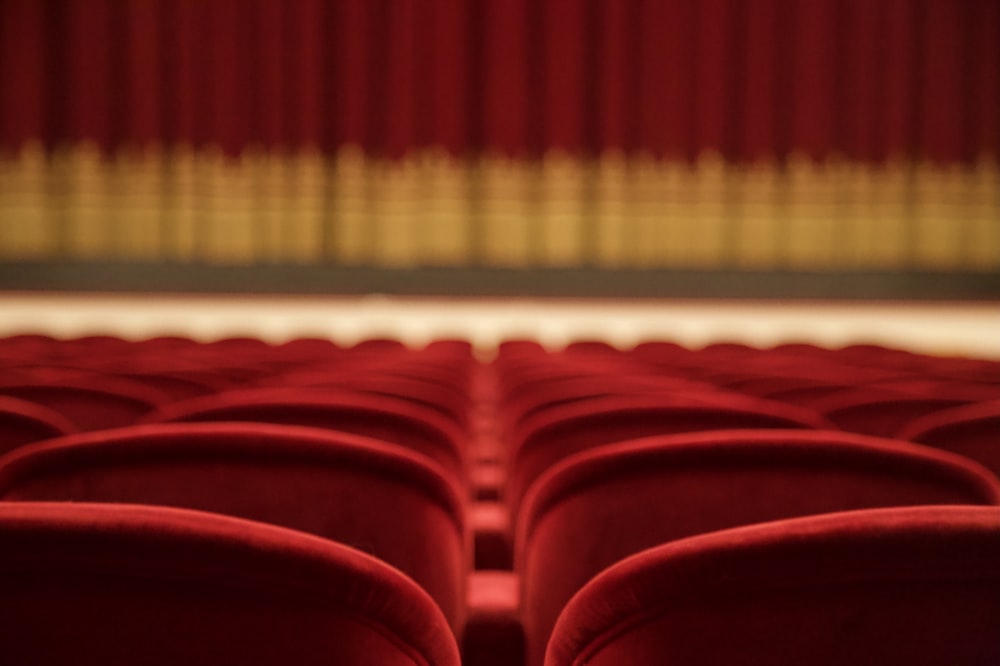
point(763, 134)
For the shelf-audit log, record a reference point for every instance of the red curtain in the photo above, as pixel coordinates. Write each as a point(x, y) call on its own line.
point(748, 79)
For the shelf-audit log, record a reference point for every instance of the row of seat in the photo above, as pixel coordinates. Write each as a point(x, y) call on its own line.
point(553, 467)
point(608, 454)
point(586, 514)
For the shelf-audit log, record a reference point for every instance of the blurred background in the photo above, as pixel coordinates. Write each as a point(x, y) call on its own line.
point(658, 149)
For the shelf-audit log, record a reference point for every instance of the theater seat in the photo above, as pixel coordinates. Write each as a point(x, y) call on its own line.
point(555, 434)
point(917, 586)
point(421, 430)
point(597, 508)
point(375, 497)
point(22, 422)
point(881, 413)
point(121, 585)
point(90, 402)
point(449, 401)
point(971, 430)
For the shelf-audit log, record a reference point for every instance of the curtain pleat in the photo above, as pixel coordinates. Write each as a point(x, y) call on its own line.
point(813, 134)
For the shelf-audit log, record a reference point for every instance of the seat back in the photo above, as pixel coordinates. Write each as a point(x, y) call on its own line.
point(22, 422)
point(895, 587)
point(377, 498)
point(971, 430)
point(90, 402)
point(446, 400)
point(598, 508)
point(884, 416)
point(562, 431)
point(421, 430)
point(118, 585)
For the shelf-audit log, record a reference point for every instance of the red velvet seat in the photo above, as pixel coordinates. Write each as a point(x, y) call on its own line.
point(308, 349)
point(941, 388)
point(872, 412)
point(599, 507)
point(560, 432)
point(767, 386)
point(807, 395)
point(22, 422)
point(121, 585)
point(914, 586)
point(971, 430)
point(424, 366)
point(378, 498)
point(446, 400)
point(396, 421)
point(90, 402)
point(178, 385)
point(526, 401)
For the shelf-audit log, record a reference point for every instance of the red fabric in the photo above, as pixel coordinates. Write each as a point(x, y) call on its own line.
point(269, 64)
point(970, 430)
point(23, 66)
point(446, 104)
point(597, 508)
point(398, 47)
point(492, 536)
point(90, 402)
point(914, 586)
point(493, 635)
point(563, 45)
point(559, 432)
point(751, 80)
point(884, 416)
point(113, 585)
point(813, 95)
point(139, 108)
point(395, 421)
point(714, 63)
point(506, 91)
point(444, 399)
point(616, 81)
point(179, 82)
point(177, 385)
point(81, 79)
point(305, 92)
point(983, 63)
point(351, 489)
point(526, 401)
point(23, 422)
point(897, 112)
point(759, 73)
point(943, 127)
point(352, 71)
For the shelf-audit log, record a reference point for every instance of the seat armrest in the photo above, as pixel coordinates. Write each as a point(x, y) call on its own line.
point(488, 479)
point(494, 634)
point(492, 538)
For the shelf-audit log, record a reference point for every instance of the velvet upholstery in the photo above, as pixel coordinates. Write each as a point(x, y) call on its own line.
point(599, 507)
point(22, 422)
point(807, 396)
point(916, 586)
point(121, 585)
point(560, 432)
point(528, 401)
point(375, 497)
point(177, 384)
point(970, 430)
point(91, 402)
point(446, 400)
point(494, 635)
point(396, 421)
point(882, 416)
